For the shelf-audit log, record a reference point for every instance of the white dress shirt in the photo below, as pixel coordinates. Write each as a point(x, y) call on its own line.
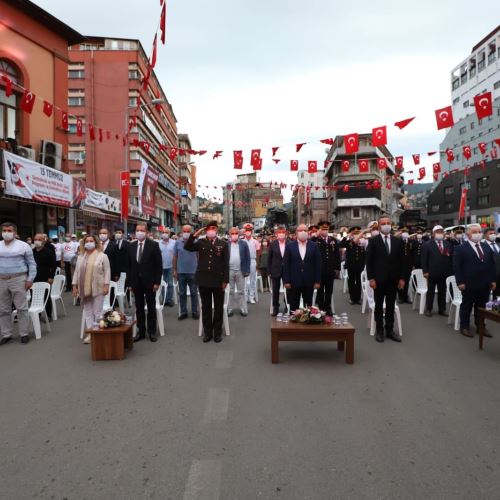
point(302, 249)
point(473, 245)
point(282, 247)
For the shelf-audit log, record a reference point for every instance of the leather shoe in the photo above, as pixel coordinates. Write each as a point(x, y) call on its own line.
point(25, 339)
point(182, 316)
point(244, 313)
point(5, 340)
point(442, 313)
point(466, 332)
point(218, 337)
point(393, 336)
point(153, 338)
point(428, 313)
point(207, 337)
point(139, 337)
point(379, 336)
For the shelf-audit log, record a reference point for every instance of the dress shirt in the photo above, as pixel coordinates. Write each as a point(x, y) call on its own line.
point(494, 247)
point(473, 245)
point(167, 252)
point(17, 258)
point(253, 247)
point(235, 259)
point(282, 247)
point(387, 238)
point(302, 249)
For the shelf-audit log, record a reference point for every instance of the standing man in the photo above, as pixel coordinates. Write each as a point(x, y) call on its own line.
point(144, 271)
point(330, 266)
point(239, 269)
point(45, 260)
point(167, 247)
point(437, 266)
point(121, 255)
point(416, 250)
point(184, 265)
point(355, 257)
point(407, 265)
point(17, 272)
point(212, 277)
point(475, 272)
point(275, 265)
point(490, 238)
point(253, 246)
point(384, 269)
point(301, 269)
point(69, 252)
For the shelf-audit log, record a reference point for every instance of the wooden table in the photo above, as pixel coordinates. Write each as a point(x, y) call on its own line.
point(299, 332)
point(483, 315)
point(110, 343)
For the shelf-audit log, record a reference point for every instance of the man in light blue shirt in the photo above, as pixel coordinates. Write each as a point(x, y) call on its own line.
point(185, 264)
point(167, 246)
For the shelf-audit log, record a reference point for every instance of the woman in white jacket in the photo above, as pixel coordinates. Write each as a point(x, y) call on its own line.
point(91, 280)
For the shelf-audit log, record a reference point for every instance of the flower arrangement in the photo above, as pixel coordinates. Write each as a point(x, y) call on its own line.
point(310, 316)
point(111, 319)
point(494, 306)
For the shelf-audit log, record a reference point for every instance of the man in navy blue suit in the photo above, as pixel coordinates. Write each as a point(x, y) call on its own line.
point(474, 268)
point(301, 269)
point(275, 265)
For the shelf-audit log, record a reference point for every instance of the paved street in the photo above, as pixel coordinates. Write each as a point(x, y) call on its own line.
point(184, 420)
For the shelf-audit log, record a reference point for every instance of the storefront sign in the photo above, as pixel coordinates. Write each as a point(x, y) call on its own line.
point(148, 182)
point(155, 221)
point(102, 201)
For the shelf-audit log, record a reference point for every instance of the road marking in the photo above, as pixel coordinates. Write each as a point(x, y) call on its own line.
point(224, 360)
point(217, 405)
point(204, 480)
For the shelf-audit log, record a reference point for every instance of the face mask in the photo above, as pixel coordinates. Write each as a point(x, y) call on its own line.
point(492, 237)
point(248, 234)
point(476, 237)
point(264, 244)
point(324, 233)
point(419, 237)
point(234, 238)
point(439, 237)
point(7, 236)
point(405, 236)
point(90, 245)
point(67, 239)
point(313, 235)
point(459, 236)
point(103, 237)
point(186, 236)
point(375, 233)
point(363, 242)
point(302, 235)
point(38, 244)
point(118, 236)
point(211, 233)
point(140, 235)
point(386, 228)
point(165, 236)
point(281, 236)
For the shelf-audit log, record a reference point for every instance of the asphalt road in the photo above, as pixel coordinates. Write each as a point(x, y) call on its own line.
point(183, 420)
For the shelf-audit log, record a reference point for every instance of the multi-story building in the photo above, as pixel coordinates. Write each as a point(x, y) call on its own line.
point(247, 199)
point(106, 89)
point(185, 179)
point(33, 56)
point(368, 194)
point(478, 73)
point(310, 198)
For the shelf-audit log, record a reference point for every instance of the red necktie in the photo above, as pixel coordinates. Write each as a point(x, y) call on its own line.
point(480, 252)
point(440, 244)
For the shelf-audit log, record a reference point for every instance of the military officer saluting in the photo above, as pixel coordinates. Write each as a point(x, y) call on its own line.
point(355, 255)
point(330, 266)
point(212, 277)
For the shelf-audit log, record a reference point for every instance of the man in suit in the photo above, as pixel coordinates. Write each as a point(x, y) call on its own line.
point(121, 255)
point(330, 266)
point(355, 255)
point(490, 238)
point(437, 266)
point(239, 269)
point(109, 249)
point(385, 273)
point(275, 265)
point(475, 272)
point(301, 269)
point(144, 271)
point(212, 277)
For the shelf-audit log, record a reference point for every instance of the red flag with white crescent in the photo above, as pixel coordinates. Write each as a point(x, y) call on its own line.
point(463, 203)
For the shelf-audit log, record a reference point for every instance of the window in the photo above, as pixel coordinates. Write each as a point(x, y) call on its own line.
point(76, 73)
point(132, 102)
point(76, 101)
point(455, 84)
point(133, 74)
point(76, 155)
point(466, 104)
point(483, 200)
point(456, 100)
point(472, 125)
point(483, 183)
point(462, 130)
point(8, 105)
point(448, 191)
point(356, 213)
point(435, 208)
point(496, 85)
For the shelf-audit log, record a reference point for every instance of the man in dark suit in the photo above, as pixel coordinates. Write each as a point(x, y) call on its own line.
point(491, 240)
point(385, 272)
point(407, 264)
point(301, 269)
point(275, 265)
point(330, 266)
point(144, 271)
point(437, 266)
point(355, 256)
point(475, 271)
point(212, 277)
point(121, 254)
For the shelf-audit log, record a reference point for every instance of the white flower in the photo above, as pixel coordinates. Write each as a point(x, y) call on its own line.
point(102, 324)
point(317, 315)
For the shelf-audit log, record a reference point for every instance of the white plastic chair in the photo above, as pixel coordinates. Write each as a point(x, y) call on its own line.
point(120, 292)
point(364, 285)
point(160, 299)
point(39, 298)
point(455, 301)
point(247, 288)
point(107, 306)
point(282, 291)
point(225, 317)
point(56, 291)
point(370, 298)
point(301, 303)
point(420, 288)
point(344, 276)
point(260, 283)
point(58, 271)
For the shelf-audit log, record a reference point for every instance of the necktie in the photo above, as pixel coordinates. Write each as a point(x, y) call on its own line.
point(139, 257)
point(495, 249)
point(480, 251)
point(386, 242)
point(440, 245)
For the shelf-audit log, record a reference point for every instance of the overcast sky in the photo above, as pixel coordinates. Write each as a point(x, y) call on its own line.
point(245, 74)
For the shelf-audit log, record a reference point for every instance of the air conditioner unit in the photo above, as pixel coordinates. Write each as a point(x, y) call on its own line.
point(25, 152)
point(79, 161)
point(51, 154)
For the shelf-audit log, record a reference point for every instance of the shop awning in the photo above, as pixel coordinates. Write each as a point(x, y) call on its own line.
point(99, 214)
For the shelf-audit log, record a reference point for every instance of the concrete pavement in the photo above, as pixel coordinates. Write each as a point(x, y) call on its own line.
point(183, 420)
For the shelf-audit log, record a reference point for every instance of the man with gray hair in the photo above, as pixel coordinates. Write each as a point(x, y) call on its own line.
point(17, 272)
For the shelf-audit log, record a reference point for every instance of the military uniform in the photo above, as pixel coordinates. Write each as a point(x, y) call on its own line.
point(416, 251)
point(330, 265)
point(407, 268)
point(355, 256)
point(211, 273)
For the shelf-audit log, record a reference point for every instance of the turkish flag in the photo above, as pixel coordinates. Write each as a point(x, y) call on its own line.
point(8, 85)
point(275, 150)
point(64, 120)
point(444, 117)
point(48, 108)
point(382, 163)
point(27, 101)
point(497, 141)
point(257, 164)
point(484, 105)
point(299, 146)
point(416, 159)
point(403, 123)
point(163, 22)
point(294, 165)
point(312, 166)
point(91, 132)
point(435, 177)
point(421, 173)
point(124, 192)
point(217, 154)
point(388, 185)
point(436, 168)
point(345, 189)
point(327, 141)
point(493, 153)
point(463, 204)
point(238, 159)
point(351, 143)
point(173, 153)
point(379, 136)
point(410, 182)
point(450, 156)
point(364, 166)
point(276, 160)
point(255, 157)
point(482, 147)
point(79, 127)
point(345, 165)
point(399, 162)
point(326, 163)
point(467, 152)
point(153, 54)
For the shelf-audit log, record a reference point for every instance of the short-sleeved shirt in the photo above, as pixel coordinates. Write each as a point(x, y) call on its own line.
point(187, 262)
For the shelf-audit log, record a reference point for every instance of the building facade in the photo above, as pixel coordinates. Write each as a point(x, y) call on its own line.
point(310, 198)
point(186, 181)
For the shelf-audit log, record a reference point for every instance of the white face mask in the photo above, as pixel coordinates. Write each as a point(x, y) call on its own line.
point(7, 236)
point(386, 228)
point(492, 237)
point(476, 237)
point(67, 239)
point(302, 235)
point(234, 238)
point(90, 245)
point(103, 237)
point(375, 232)
point(211, 233)
point(459, 236)
point(313, 235)
point(140, 235)
point(38, 244)
point(439, 236)
point(185, 236)
point(419, 237)
point(165, 236)
point(405, 236)
point(363, 242)
point(118, 236)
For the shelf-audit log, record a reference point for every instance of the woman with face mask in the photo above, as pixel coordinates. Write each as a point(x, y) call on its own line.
point(45, 259)
point(262, 256)
point(91, 280)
